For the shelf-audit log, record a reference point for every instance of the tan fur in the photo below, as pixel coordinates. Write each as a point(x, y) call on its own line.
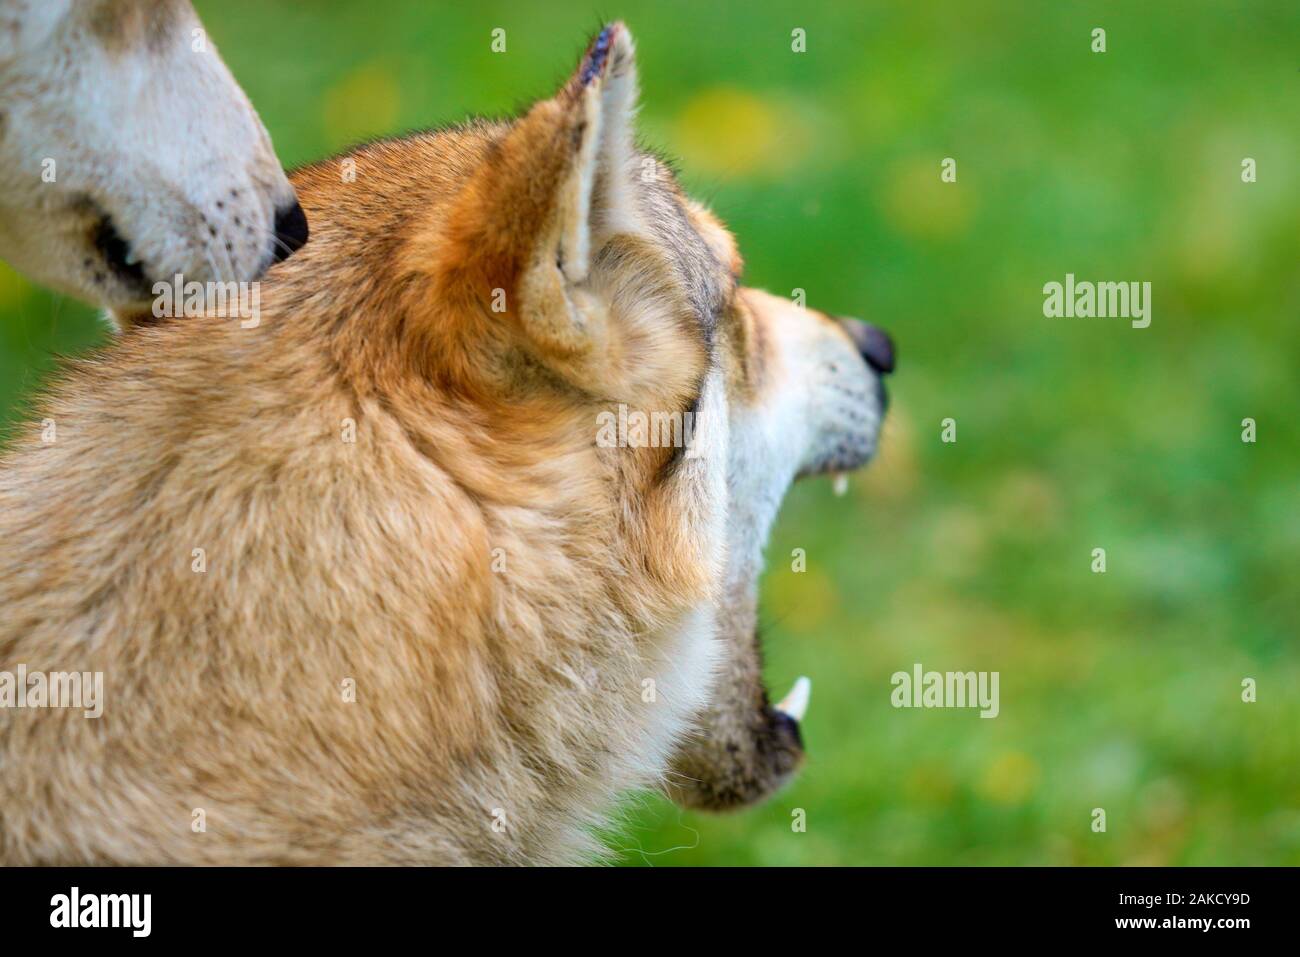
point(500, 708)
point(126, 26)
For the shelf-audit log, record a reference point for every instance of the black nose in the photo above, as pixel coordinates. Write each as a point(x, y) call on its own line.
point(874, 344)
point(290, 231)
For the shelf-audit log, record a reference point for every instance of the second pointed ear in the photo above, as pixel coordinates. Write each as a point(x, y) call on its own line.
point(561, 175)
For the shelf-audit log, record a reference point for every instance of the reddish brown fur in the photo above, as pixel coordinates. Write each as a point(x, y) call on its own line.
point(481, 693)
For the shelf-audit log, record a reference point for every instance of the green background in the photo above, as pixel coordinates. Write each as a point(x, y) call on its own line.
point(1119, 690)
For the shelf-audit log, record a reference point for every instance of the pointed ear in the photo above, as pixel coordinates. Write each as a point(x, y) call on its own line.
point(559, 177)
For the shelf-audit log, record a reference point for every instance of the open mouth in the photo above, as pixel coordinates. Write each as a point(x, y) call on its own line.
point(839, 462)
point(117, 253)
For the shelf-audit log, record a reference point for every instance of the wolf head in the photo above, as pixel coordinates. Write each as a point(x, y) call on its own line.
point(503, 453)
point(569, 264)
point(128, 153)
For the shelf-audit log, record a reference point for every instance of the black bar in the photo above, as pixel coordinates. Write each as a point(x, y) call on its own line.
point(976, 905)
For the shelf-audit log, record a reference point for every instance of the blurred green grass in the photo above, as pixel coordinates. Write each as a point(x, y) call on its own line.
point(1120, 690)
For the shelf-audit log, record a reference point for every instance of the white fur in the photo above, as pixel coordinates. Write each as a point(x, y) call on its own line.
point(821, 397)
point(148, 131)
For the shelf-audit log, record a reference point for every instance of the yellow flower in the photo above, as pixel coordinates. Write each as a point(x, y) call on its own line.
point(1010, 779)
point(921, 205)
point(729, 132)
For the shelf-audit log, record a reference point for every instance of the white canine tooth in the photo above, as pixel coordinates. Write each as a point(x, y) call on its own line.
point(840, 483)
point(795, 704)
point(131, 258)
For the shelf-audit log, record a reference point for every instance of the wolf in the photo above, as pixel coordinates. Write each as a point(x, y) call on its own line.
point(363, 585)
point(129, 154)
